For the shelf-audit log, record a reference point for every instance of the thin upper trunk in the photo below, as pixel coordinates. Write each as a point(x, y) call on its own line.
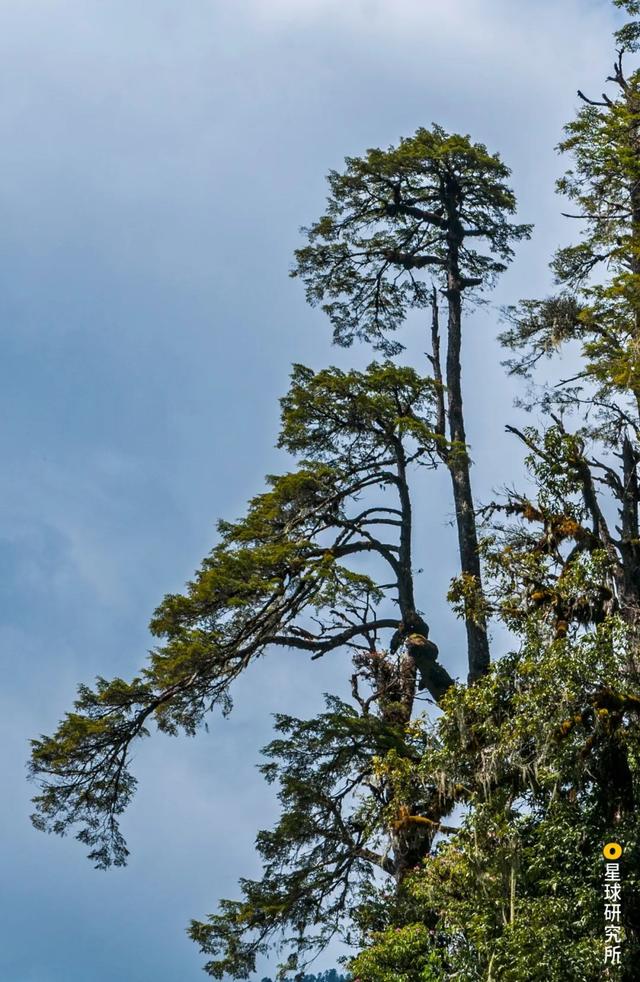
point(458, 463)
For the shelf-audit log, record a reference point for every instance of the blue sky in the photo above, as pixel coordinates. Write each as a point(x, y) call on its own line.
point(156, 161)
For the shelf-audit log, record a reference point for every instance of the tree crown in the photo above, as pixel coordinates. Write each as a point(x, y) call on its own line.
point(427, 204)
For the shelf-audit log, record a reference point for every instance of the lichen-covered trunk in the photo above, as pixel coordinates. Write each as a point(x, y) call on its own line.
point(475, 622)
point(413, 630)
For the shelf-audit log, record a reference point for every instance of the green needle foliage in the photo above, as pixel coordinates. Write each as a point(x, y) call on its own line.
point(598, 312)
point(319, 861)
point(469, 845)
point(331, 976)
point(281, 576)
point(436, 202)
point(437, 205)
point(543, 753)
point(543, 757)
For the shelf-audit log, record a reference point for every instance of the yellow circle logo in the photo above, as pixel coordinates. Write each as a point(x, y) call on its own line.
point(612, 851)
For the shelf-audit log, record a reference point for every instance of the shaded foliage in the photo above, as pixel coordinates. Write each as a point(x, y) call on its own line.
point(542, 754)
point(329, 976)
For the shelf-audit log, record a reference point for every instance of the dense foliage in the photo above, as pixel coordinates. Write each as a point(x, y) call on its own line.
point(466, 843)
point(436, 202)
point(330, 976)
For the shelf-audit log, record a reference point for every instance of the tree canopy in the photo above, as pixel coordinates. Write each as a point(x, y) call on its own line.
point(467, 842)
point(279, 576)
point(436, 202)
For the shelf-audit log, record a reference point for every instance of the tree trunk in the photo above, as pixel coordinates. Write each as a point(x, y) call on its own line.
point(477, 639)
point(413, 629)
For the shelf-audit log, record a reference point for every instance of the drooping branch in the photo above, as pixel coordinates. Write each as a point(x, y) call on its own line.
point(279, 577)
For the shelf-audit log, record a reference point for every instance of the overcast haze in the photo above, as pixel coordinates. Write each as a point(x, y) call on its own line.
point(156, 161)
